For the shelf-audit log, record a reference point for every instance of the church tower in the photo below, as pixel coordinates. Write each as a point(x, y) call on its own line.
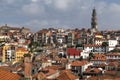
point(94, 24)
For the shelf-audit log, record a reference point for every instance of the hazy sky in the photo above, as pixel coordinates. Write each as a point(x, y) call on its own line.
point(38, 14)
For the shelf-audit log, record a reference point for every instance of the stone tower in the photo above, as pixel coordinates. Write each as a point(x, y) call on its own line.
point(94, 24)
point(27, 66)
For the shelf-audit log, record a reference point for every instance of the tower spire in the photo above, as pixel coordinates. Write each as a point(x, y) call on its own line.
point(94, 24)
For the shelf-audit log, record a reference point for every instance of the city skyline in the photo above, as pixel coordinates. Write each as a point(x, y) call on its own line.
point(38, 14)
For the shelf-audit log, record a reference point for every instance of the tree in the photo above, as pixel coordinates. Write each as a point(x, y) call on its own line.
point(79, 45)
point(81, 58)
point(115, 50)
point(64, 55)
point(105, 45)
point(60, 55)
point(91, 55)
point(32, 46)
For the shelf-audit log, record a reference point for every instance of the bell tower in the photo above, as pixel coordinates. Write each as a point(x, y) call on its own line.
point(94, 24)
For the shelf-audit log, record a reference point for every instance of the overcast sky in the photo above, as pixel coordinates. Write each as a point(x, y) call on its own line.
point(38, 14)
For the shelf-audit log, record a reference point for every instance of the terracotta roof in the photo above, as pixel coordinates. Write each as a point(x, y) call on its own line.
point(79, 63)
point(21, 49)
point(73, 52)
point(5, 75)
point(77, 36)
point(61, 59)
point(27, 42)
point(49, 71)
point(43, 31)
point(113, 54)
point(99, 57)
point(92, 70)
point(113, 64)
point(102, 65)
point(66, 75)
point(55, 67)
point(7, 68)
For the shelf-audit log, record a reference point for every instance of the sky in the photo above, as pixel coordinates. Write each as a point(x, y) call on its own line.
point(39, 14)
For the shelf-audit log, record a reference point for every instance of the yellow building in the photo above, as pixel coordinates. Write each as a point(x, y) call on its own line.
point(20, 54)
point(4, 52)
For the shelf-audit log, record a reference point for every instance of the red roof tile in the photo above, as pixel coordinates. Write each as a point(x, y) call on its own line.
point(113, 64)
point(73, 52)
point(21, 49)
point(113, 54)
point(79, 63)
point(93, 70)
point(99, 57)
point(67, 75)
point(5, 75)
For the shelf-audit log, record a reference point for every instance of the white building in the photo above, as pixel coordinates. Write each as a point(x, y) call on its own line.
point(113, 56)
point(112, 44)
point(78, 67)
point(85, 54)
point(94, 48)
point(99, 59)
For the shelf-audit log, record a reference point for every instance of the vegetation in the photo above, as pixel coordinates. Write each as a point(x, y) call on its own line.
point(32, 46)
point(105, 45)
point(79, 45)
point(91, 55)
point(115, 50)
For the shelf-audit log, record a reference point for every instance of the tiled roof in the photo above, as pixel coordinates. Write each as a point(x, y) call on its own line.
point(99, 57)
point(49, 71)
point(55, 67)
point(102, 65)
point(21, 49)
point(7, 68)
point(73, 52)
point(79, 63)
point(77, 36)
point(113, 64)
point(5, 75)
point(27, 42)
point(113, 54)
point(43, 31)
point(66, 75)
point(93, 70)
point(61, 59)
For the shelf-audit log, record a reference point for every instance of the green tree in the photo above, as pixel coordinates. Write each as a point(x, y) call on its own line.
point(105, 45)
point(91, 55)
point(32, 46)
point(115, 50)
point(79, 45)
